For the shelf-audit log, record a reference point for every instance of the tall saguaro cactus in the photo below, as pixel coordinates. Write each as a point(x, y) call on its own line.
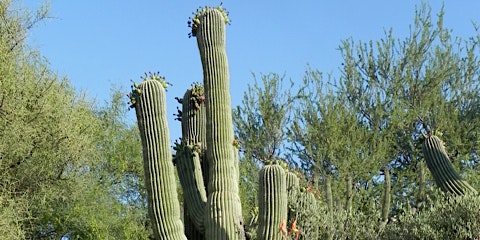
point(224, 218)
point(163, 205)
point(442, 169)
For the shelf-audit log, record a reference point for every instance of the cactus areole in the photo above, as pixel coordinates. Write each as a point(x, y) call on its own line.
point(223, 218)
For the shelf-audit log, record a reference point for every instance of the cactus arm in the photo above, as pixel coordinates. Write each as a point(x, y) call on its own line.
point(442, 169)
point(189, 155)
point(164, 209)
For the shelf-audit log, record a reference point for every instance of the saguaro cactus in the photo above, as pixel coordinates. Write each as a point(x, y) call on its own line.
point(386, 195)
point(272, 201)
point(442, 169)
point(164, 210)
point(190, 155)
point(293, 184)
point(224, 217)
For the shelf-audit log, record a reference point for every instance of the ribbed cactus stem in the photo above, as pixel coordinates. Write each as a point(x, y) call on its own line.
point(386, 195)
point(163, 205)
point(293, 185)
point(224, 216)
point(190, 174)
point(272, 202)
point(193, 116)
point(190, 230)
point(189, 157)
point(442, 169)
point(307, 205)
point(421, 184)
point(328, 192)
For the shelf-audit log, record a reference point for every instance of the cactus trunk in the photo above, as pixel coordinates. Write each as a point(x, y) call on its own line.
point(421, 184)
point(442, 169)
point(224, 217)
point(272, 202)
point(386, 195)
point(163, 205)
point(328, 192)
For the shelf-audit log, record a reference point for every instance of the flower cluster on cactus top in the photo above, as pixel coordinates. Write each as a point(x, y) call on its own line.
point(194, 22)
point(198, 95)
point(135, 90)
point(423, 137)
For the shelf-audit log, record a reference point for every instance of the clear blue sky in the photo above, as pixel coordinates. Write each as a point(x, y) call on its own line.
point(99, 44)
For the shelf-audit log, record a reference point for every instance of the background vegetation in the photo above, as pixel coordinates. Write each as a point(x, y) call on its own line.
point(70, 169)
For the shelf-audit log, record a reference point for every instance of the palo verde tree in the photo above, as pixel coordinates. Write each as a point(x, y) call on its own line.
point(404, 88)
point(331, 144)
point(52, 149)
point(260, 124)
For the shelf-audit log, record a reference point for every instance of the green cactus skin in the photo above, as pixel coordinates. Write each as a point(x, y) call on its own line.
point(190, 174)
point(193, 116)
point(189, 159)
point(306, 220)
point(190, 230)
point(442, 169)
point(386, 195)
point(224, 215)
point(164, 209)
point(272, 202)
point(421, 185)
point(293, 184)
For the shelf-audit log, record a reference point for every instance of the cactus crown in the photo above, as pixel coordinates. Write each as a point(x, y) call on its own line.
point(135, 91)
point(198, 95)
point(194, 21)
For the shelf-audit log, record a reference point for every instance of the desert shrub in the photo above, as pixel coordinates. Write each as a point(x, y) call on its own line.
point(447, 217)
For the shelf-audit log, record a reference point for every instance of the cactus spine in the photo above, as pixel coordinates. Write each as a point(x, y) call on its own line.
point(272, 201)
point(164, 209)
point(224, 217)
point(442, 169)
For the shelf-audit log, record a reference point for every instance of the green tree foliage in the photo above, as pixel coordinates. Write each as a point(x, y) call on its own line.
point(348, 131)
point(330, 142)
point(260, 127)
point(66, 169)
point(402, 89)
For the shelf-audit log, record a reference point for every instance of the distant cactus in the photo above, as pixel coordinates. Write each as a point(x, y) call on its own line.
point(293, 185)
point(386, 195)
point(306, 217)
point(164, 209)
point(272, 201)
point(442, 169)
